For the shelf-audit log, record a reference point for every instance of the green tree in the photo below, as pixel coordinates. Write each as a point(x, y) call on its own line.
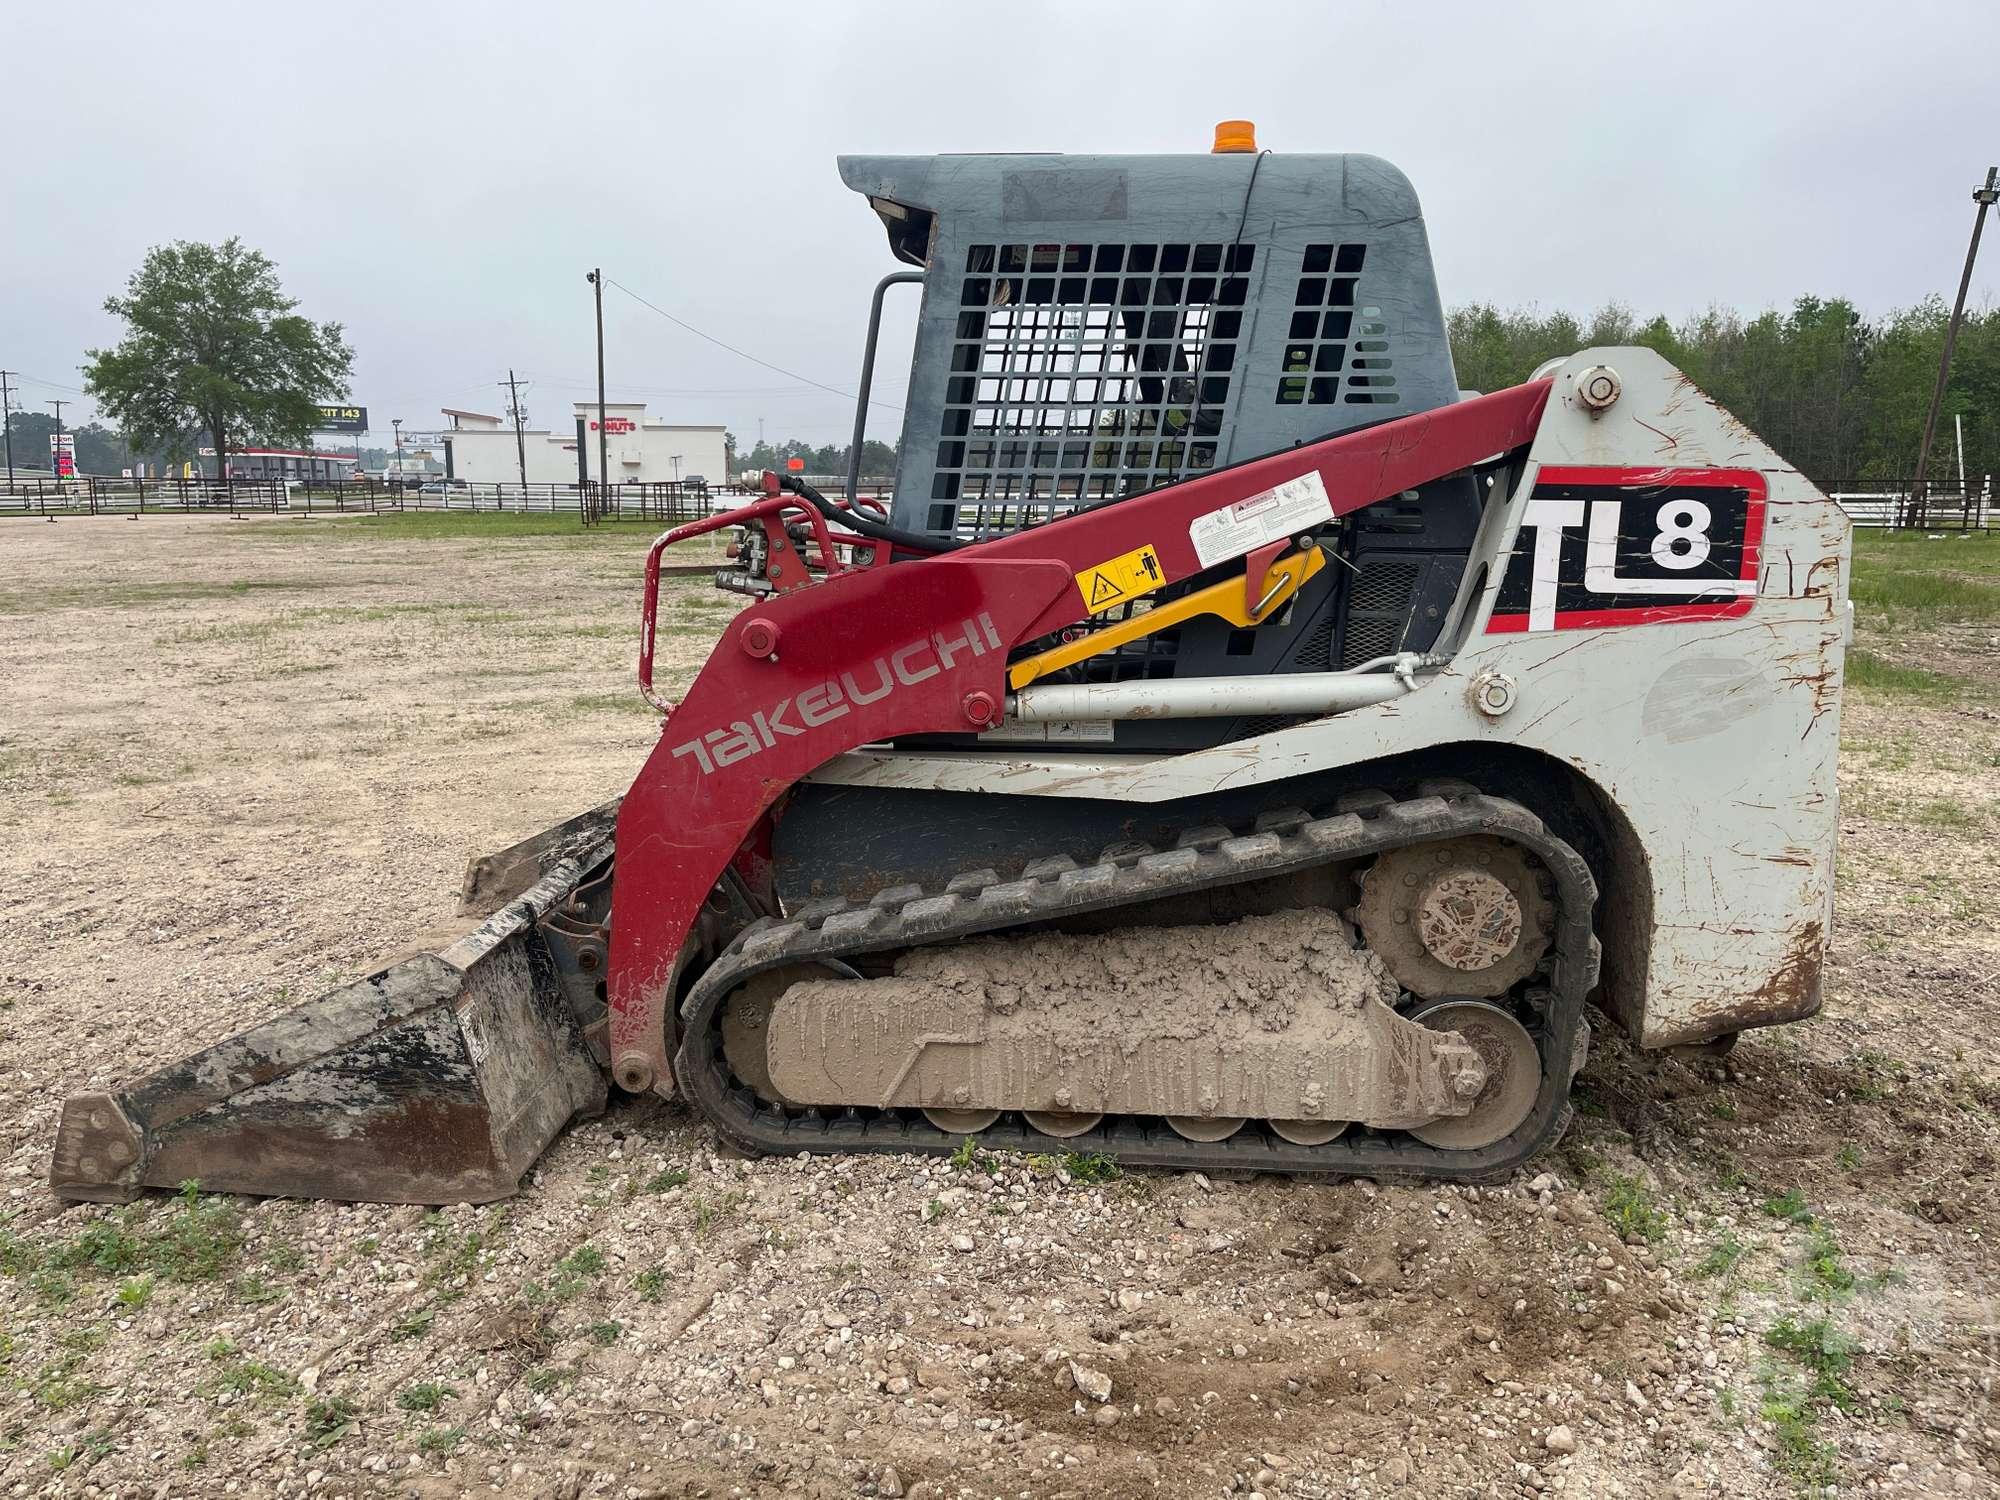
point(1841, 398)
point(29, 432)
point(99, 450)
point(213, 346)
point(1493, 349)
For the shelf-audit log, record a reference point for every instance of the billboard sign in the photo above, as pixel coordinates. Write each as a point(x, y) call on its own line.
point(62, 454)
point(342, 419)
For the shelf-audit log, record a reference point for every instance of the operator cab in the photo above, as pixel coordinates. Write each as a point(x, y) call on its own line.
point(1094, 327)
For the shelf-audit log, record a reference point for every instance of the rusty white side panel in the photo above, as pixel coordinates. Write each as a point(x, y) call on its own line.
point(1715, 738)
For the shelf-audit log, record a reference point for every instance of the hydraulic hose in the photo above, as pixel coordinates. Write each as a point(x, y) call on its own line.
point(864, 525)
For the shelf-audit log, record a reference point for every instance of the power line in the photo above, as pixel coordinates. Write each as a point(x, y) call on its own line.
point(427, 394)
point(743, 353)
point(53, 385)
point(573, 382)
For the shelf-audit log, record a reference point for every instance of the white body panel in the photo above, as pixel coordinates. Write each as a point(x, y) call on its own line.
point(1715, 738)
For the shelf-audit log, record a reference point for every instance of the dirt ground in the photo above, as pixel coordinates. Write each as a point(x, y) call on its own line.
point(240, 761)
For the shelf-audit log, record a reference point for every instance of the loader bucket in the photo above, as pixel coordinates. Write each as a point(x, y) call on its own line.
point(438, 1079)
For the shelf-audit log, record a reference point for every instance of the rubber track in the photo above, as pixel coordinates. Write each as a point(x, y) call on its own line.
point(1282, 842)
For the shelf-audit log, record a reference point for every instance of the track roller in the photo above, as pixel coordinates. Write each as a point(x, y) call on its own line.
point(962, 1121)
point(1308, 1132)
point(1205, 1127)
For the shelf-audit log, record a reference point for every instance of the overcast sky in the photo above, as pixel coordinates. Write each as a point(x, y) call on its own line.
point(438, 177)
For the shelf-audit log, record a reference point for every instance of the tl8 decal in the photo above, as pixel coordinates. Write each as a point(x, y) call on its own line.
point(1601, 547)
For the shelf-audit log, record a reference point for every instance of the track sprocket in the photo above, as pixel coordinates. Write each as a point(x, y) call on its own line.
point(1465, 916)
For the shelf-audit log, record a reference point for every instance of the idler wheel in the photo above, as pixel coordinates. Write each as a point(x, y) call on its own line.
point(1513, 1075)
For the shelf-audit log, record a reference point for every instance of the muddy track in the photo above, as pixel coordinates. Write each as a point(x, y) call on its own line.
point(1285, 844)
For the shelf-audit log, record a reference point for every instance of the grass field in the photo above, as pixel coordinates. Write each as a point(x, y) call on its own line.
point(1907, 580)
point(1925, 602)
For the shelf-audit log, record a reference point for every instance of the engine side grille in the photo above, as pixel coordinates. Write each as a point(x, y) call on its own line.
point(1268, 724)
point(1378, 609)
point(1315, 653)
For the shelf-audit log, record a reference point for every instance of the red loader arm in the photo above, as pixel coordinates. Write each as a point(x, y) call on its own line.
point(871, 653)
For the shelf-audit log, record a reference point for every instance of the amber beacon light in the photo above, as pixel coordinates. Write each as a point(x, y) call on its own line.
point(1236, 135)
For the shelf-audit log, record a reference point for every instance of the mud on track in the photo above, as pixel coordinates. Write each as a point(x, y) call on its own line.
point(242, 761)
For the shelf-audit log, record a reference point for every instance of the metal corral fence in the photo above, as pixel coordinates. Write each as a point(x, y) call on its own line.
point(87, 496)
point(659, 504)
point(1888, 505)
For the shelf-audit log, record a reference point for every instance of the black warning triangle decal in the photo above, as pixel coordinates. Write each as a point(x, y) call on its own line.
point(1103, 591)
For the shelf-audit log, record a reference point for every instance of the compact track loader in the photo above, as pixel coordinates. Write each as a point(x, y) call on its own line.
point(1235, 746)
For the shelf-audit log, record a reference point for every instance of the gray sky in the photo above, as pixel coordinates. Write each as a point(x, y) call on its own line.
point(438, 177)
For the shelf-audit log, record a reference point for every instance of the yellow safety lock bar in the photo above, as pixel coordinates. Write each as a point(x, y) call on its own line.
point(1229, 599)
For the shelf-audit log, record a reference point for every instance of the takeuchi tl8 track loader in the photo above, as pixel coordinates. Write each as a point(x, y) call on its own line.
point(1235, 747)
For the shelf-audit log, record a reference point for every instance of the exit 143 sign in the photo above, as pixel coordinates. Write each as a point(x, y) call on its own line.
point(343, 419)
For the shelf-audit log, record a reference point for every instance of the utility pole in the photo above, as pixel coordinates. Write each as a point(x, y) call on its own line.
point(520, 417)
point(7, 423)
point(1985, 198)
point(397, 423)
point(55, 454)
point(596, 279)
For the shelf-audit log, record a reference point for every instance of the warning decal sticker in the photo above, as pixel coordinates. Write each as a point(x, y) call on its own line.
point(1294, 506)
point(1122, 578)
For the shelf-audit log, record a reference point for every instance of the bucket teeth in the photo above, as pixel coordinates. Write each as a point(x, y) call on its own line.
point(98, 1151)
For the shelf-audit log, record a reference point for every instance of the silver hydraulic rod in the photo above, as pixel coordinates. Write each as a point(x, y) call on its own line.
point(1308, 693)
